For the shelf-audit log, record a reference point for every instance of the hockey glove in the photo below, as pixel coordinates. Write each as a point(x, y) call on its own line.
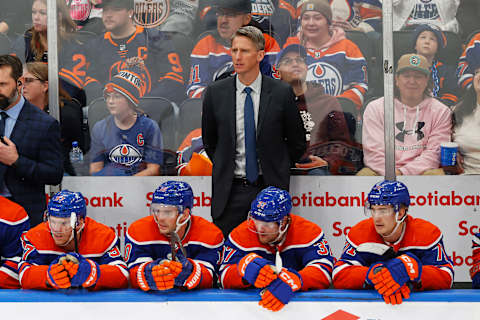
point(146, 277)
point(189, 272)
point(475, 275)
point(396, 273)
point(398, 296)
point(280, 291)
point(86, 274)
point(372, 271)
point(256, 270)
point(57, 276)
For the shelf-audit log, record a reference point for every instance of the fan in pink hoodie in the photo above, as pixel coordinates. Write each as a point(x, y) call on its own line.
point(422, 123)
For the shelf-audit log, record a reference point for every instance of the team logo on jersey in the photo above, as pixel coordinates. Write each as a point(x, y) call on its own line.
point(125, 154)
point(226, 70)
point(150, 13)
point(327, 75)
point(262, 9)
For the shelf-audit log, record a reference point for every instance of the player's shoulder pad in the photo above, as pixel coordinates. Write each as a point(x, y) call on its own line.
point(204, 232)
point(144, 230)
point(11, 213)
point(97, 238)
point(362, 232)
point(420, 234)
point(245, 239)
point(41, 238)
point(301, 232)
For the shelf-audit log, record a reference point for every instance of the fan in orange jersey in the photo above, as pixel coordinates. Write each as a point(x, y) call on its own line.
point(70, 250)
point(392, 251)
point(13, 222)
point(171, 247)
point(276, 250)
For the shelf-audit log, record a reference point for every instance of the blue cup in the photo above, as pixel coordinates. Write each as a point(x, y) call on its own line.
point(448, 153)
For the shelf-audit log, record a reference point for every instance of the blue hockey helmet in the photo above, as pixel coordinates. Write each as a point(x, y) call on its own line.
point(389, 192)
point(271, 205)
point(66, 202)
point(174, 193)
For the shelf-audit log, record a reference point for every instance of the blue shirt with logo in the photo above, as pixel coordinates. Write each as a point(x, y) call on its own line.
point(126, 152)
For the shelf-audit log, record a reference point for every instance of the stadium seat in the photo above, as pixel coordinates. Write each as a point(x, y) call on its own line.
point(190, 117)
point(96, 111)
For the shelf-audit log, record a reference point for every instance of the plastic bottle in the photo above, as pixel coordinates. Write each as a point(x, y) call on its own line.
point(76, 154)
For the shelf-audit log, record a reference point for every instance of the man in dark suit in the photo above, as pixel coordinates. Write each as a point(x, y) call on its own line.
point(30, 150)
point(235, 111)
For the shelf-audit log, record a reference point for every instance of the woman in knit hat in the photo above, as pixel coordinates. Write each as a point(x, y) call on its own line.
point(126, 143)
point(333, 61)
point(429, 41)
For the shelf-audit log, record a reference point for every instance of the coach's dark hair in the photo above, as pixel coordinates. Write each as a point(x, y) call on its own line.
point(15, 63)
point(252, 33)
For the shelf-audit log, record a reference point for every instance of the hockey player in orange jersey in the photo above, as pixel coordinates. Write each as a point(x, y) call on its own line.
point(475, 269)
point(277, 251)
point(393, 252)
point(171, 247)
point(13, 222)
point(70, 250)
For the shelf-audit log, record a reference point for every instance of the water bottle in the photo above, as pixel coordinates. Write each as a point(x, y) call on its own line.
point(76, 154)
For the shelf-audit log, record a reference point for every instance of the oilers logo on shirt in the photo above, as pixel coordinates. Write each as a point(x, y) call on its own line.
point(427, 10)
point(151, 13)
point(262, 9)
point(327, 75)
point(125, 154)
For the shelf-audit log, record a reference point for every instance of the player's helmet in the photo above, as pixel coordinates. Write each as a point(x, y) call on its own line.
point(389, 192)
point(271, 205)
point(174, 193)
point(66, 202)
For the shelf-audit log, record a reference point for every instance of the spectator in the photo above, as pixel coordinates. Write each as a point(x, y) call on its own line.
point(13, 223)
point(333, 61)
point(33, 45)
point(211, 58)
point(428, 41)
point(86, 15)
point(172, 247)
point(422, 123)
point(466, 128)
point(475, 269)
point(235, 112)
point(94, 64)
point(30, 151)
point(392, 251)
point(35, 90)
point(55, 258)
point(408, 13)
point(276, 251)
point(360, 15)
point(323, 120)
point(470, 54)
point(127, 142)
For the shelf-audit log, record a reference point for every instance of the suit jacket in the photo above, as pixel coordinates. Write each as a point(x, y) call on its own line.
point(280, 135)
point(40, 162)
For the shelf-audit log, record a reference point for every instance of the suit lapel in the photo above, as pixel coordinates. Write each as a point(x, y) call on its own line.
point(232, 92)
point(20, 125)
point(265, 97)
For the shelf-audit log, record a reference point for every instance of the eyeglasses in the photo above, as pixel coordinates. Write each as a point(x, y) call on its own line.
point(289, 61)
point(30, 80)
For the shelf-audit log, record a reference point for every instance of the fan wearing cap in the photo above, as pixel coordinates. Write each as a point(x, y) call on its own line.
point(333, 61)
point(392, 251)
point(127, 142)
point(429, 41)
point(466, 124)
point(422, 123)
point(277, 251)
point(171, 247)
point(211, 58)
point(327, 134)
point(71, 250)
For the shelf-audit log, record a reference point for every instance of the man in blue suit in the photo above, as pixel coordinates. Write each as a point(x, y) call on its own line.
point(30, 149)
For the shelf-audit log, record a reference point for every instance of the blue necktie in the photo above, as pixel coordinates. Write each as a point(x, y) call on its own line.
point(2, 123)
point(250, 138)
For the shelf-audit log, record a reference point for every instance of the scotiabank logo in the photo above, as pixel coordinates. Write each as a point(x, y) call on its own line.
point(341, 315)
point(106, 201)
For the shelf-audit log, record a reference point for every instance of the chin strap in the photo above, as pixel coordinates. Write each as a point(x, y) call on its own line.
point(281, 234)
point(398, 223)
point(179, 225)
